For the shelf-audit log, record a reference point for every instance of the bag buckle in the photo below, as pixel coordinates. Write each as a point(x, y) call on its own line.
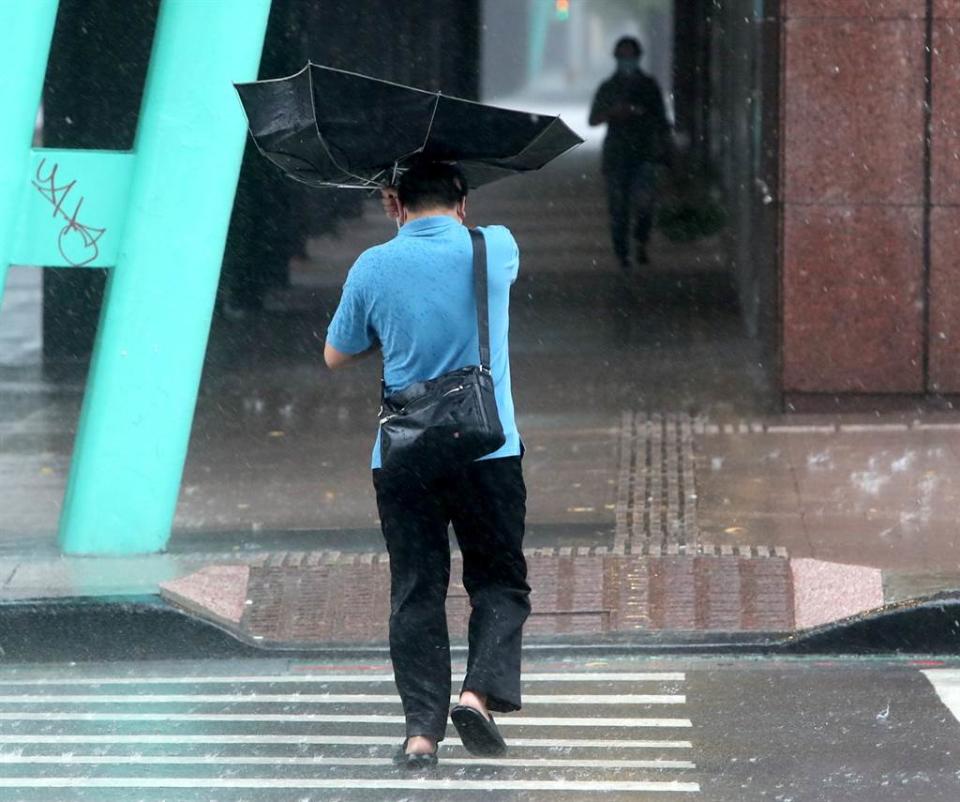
point(384, 418)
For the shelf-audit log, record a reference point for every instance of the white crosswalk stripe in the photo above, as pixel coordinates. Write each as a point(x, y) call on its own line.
point(506, 723)
point(315, 678)
point(420, 784)
point(325, 698)
point(343, 761)
point(332, 740)
point(946, 682)
point(101, 732)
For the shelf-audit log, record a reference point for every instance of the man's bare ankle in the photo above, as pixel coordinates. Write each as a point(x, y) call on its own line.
point(420, 744)
point(478, 701)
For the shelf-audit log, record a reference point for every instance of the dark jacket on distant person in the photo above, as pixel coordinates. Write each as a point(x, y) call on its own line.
point(643, 136)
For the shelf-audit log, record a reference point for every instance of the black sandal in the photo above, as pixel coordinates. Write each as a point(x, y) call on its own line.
point(478, 733)
point(414, 760)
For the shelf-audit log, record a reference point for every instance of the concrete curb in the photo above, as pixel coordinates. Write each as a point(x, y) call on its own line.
point(147, 627)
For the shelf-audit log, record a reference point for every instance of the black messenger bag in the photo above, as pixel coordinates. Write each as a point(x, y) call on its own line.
point(451, 420)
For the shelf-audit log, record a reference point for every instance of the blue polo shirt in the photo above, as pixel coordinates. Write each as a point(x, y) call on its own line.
point(414, 295)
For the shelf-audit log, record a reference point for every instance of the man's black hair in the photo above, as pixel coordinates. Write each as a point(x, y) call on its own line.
point(629, 41)
point(428, 184)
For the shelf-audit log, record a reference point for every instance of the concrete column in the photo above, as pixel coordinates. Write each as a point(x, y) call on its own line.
point(944, 330)
point(854, 153)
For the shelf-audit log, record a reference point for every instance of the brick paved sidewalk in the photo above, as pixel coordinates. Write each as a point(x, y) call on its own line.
point(333, 598)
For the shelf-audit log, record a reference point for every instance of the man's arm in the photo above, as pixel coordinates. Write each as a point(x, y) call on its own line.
point(338, 359)
point(350, 334)
point(334, 357)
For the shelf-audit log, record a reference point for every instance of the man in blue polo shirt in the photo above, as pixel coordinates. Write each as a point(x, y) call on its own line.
point(413, 298)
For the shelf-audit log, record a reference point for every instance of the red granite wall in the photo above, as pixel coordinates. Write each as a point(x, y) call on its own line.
point(854, 188)
point(945, 198)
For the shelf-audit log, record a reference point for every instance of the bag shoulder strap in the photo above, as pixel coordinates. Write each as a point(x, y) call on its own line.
point(480, 290)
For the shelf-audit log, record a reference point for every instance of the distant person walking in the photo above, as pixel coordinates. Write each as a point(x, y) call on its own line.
point(631, 104)
point(413, 297)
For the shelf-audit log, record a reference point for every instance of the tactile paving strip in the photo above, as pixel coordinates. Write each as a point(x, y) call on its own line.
point(656, 489)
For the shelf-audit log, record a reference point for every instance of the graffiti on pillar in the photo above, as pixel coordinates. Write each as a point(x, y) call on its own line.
point(77, 242)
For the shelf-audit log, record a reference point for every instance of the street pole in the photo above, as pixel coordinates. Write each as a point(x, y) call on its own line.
point(144, 376)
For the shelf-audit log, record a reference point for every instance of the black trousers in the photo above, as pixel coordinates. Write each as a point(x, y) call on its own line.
point(631, 196)
point(486, 503)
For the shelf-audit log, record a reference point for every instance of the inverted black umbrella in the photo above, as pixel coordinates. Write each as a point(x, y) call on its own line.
point(331, 128)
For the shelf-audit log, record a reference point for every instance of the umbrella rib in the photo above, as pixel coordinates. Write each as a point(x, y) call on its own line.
point(274, 80)
point(426, 138)
point(368, 77)
point(433, 116)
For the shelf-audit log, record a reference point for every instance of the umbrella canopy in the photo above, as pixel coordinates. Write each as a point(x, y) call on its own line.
point(331, 128)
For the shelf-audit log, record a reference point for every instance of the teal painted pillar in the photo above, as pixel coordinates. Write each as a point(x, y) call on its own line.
point(26, 34)
point(541, 14)
point(138, 409)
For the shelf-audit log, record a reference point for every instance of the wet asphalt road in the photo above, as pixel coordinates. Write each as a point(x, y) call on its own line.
point(591, 728)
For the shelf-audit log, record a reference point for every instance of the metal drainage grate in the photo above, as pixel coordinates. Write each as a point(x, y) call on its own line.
point(656, 494)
